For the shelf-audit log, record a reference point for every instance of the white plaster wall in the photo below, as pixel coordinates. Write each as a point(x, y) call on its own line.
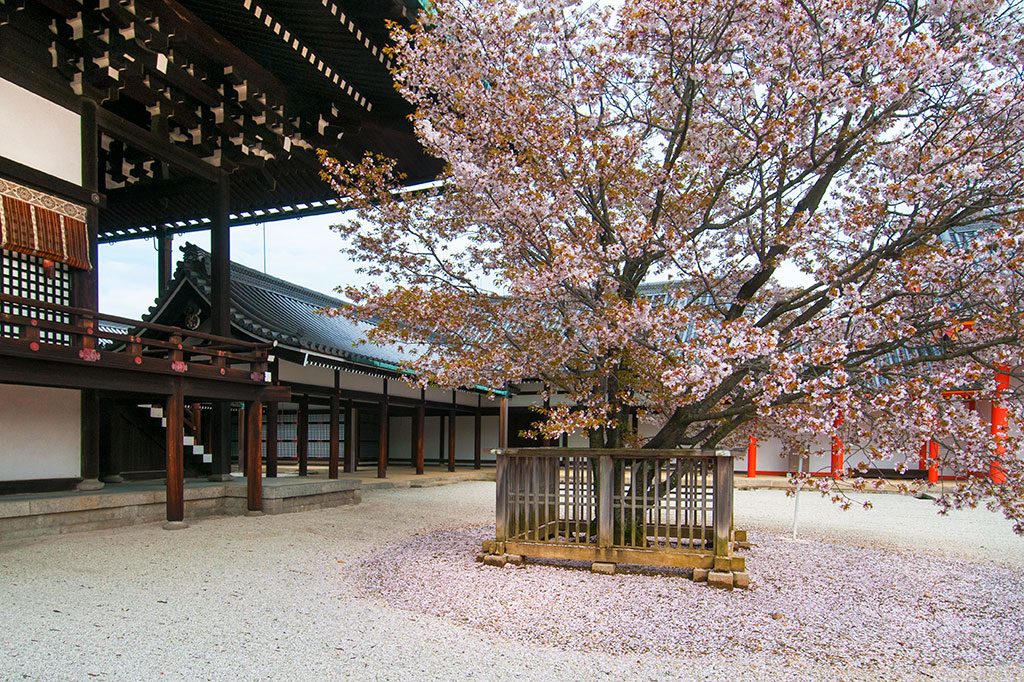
point(39, 133)
point(431, 437)
point(399, 438)
point(40, 433)
point(402, 390)
point(310, 374)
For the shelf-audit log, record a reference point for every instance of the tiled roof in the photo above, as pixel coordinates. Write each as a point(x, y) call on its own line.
point(273, 309)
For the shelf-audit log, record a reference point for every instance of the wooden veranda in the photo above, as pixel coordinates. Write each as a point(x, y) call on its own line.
point(47, 344)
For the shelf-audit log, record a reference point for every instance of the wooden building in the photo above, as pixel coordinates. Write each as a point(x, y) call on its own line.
point(351, 405)
point(128, 119)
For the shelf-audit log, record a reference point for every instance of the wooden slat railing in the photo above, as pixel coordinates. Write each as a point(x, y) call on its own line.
point(40, 326)
point(651, 507)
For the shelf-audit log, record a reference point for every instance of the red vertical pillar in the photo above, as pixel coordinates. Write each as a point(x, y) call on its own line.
point(933, 455)
point(751, 457)
point(996, 471)
point(837, 449)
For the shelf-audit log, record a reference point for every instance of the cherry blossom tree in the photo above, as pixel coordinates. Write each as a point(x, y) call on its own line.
point(790, 170)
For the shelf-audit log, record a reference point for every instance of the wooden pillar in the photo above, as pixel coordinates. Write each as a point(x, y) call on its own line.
point(220, 440)
point(254, 455)
point(440, 440)
point(220, 322)
point(351, 436)
point(382, 441)
point(332, 466)
point(220, 259)
point(90, 440)
point(751, 457)
point(419, 422)
point(165, 259)
point(174, 410)
point(240, 429)
point(477, 435)
point(85, 294)
point(451, 434)
point(302, 435)
point(272, 417)
point(996, 471)
point(547, 408)
point(503, 423)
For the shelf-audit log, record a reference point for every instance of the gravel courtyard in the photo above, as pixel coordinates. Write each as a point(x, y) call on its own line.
point(354, 593)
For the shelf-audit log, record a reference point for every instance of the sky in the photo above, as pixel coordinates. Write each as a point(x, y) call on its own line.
point(304, 251)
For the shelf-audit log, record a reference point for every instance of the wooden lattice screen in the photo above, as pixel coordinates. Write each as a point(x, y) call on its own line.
point(26, 276)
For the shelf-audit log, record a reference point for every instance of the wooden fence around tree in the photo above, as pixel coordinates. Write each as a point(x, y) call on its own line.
point(631, 506)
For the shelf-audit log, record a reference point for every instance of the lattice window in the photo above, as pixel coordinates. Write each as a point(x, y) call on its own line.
point(287, 434)
point(23, 275)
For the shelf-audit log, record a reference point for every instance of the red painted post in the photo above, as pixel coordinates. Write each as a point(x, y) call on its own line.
point(752, 457)
point(837, 449)
point(933, 454)
point(996, 471)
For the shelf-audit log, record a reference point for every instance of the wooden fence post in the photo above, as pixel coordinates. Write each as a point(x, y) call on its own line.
point(605, 486)
point(723, 490)
point(501, 497)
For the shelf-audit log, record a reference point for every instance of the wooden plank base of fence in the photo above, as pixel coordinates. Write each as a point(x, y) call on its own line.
point(725, 575)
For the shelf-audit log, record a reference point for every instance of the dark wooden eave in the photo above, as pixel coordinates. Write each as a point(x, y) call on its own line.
point(192, 88)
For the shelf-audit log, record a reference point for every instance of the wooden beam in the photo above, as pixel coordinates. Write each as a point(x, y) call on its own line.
point(44, 182)
point(162, 150)
point(174, 408)
point(42, 370)
point(302, 436)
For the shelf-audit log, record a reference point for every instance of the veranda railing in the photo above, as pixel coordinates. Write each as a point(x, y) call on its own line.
point(651, 507)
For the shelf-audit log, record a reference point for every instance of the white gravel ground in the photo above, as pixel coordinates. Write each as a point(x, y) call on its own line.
point(284, 598)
